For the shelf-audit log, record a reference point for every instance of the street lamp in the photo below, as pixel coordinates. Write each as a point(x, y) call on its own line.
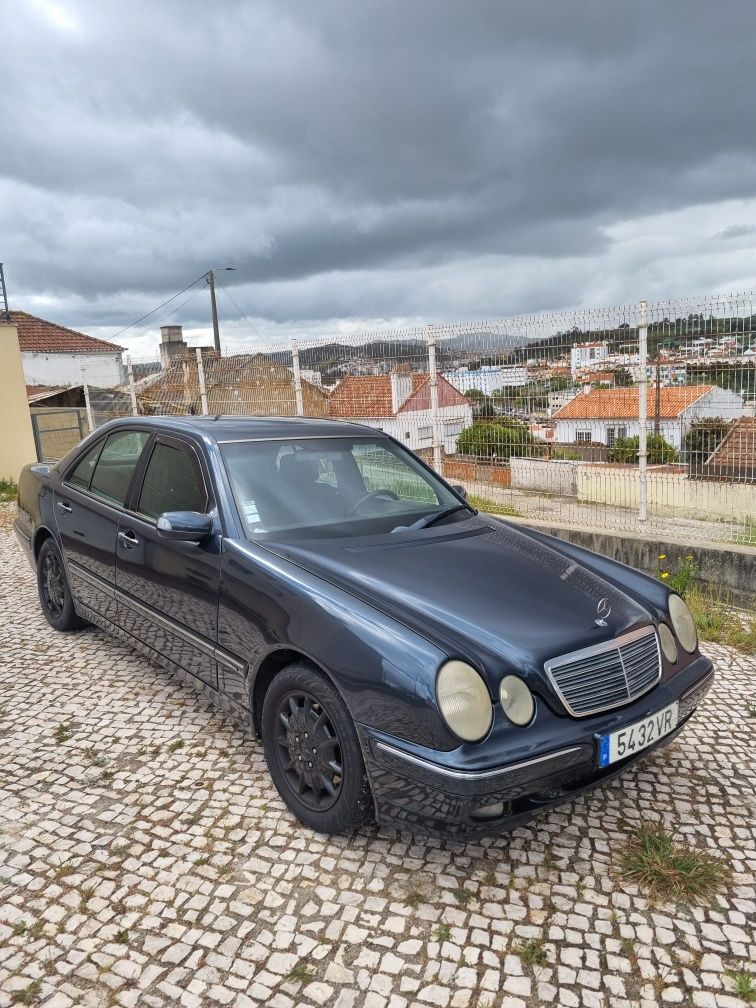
point(213, 308)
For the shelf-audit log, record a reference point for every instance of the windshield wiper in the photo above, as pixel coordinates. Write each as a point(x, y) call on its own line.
point(431, 519)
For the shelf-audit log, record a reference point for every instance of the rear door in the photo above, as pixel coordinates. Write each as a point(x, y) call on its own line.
point(88, 505)
point(168, 590)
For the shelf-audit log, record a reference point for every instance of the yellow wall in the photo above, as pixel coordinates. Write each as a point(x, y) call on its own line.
point(16, 438)
point(668, 493)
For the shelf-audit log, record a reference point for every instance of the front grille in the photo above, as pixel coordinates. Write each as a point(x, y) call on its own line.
point(607, 675)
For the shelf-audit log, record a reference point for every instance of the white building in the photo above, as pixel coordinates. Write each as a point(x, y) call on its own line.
point(487, 379)
point(602, 416)
point(54, 355)
point(586, 354)
point(400, 404)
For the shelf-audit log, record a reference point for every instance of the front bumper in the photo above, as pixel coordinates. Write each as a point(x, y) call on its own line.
point(413, 792)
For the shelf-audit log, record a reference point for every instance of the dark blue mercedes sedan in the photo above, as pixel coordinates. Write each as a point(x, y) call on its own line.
point(401, 655)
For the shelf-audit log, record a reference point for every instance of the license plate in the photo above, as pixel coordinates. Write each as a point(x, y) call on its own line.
point(623, 743)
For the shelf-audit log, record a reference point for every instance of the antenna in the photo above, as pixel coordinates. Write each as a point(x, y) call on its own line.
point(4, 313)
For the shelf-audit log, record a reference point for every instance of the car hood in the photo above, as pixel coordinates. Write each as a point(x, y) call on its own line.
point(481, 589)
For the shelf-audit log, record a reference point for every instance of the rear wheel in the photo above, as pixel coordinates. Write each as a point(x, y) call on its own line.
point(54, 592)
point(313, 753)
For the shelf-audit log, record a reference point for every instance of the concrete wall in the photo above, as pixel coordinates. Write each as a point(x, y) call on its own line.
point(732, 568)
point(103, 370)
point(557, 477)
point(668, 493)
point(16, 438)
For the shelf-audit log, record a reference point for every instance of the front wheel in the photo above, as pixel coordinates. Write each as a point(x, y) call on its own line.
point(313, 753)
point(54, 592)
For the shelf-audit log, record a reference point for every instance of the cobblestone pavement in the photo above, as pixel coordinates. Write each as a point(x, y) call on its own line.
point(147, 860)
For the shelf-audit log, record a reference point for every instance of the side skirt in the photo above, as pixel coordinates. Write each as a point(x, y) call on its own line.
point(241, 716)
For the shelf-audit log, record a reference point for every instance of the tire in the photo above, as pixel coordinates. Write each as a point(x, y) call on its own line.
point(331, 793)
point(54, 593)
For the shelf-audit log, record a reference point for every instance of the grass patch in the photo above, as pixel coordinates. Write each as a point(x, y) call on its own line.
point(176, 744)
point(301, 971)
point(442, 933)
point(65, 730)
point(28, 995)
point(748, 536)
point(669, 869)
point(492, 507)
point(463, 896)
point(533, 953)
point(122, 937)
point(8, 491)
point(744, 983)
point(718, 623)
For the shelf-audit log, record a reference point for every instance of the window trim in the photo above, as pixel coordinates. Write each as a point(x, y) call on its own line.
point(102, 442)
point(173, 441)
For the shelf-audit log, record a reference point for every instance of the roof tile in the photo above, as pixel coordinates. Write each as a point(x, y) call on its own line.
point(622, 403)
point(36, 335)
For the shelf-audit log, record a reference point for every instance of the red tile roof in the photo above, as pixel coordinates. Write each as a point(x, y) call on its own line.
point(34, 392)
point(370, 396)
point(622, 403)
point(738, 447)
point(36, 335)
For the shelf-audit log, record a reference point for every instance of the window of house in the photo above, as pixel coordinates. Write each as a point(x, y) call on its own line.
point(622, 432)
point(172, 482)
point(453, 428)
point(116, 464)
point(425, 433)
point(583, 437)
point(611, 436)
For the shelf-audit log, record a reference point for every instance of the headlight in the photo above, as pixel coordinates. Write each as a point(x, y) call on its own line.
point(668, 645)
point(683, 623)
point(517, 700)
point(464, 701)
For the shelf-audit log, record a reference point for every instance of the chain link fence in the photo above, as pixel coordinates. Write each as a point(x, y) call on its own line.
point(625, 418)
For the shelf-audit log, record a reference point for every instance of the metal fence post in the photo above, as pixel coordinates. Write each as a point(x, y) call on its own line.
point(201, 381)
point(297, 378)
point(435, 421)
point(132, 388)
point(642, 411)
point(87, 401)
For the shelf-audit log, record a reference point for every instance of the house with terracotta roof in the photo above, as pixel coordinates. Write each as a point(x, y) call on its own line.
point(400, 404)
point(53, 355)
point(602, 416)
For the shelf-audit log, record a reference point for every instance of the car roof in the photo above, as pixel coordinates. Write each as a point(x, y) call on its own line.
point(238, 428)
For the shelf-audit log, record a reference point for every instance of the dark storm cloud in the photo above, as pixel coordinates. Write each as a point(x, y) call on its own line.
point(371, 160)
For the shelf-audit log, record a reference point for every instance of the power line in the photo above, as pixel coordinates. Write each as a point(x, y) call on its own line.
point(177, 294)
point(168, 314)
point(254, 330)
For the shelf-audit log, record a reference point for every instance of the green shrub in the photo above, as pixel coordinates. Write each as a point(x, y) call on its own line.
point(658, 451)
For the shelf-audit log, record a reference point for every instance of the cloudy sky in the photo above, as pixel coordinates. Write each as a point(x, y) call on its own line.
point(372, 164)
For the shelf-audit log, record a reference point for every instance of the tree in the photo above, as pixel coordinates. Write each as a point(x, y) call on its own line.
point(503, 439)
point(702, 439)
point(658, 451)
point(481, 404)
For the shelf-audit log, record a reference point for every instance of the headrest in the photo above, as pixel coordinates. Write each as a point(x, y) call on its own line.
point(298, 471)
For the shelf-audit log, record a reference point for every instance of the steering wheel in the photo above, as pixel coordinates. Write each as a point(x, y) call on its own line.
point(373, 493)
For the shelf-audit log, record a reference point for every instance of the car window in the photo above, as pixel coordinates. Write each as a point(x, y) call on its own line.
point(82, 474)
point(116, 464)
point(171, 483)
point(337, 486)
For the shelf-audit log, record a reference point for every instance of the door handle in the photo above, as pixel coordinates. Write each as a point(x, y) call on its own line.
point(128, 539)
point(65, 506)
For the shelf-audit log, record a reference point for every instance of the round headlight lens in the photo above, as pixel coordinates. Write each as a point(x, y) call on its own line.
point(683, 623)
point(668, 644)
point(464, 701)
point(516, 700)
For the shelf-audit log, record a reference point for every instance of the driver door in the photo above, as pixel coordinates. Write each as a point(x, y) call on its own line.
point(167, 590)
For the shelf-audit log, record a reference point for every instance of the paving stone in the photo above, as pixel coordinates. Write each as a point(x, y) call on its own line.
point(192, 886)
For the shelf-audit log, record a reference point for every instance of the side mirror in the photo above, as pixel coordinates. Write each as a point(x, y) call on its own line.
point(186, 526)
point(458, 488)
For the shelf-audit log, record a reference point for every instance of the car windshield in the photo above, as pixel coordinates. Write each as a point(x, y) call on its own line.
point(336, 486)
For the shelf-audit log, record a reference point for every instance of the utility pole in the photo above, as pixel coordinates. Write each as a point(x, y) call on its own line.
point(214, 310)
point(4, 312)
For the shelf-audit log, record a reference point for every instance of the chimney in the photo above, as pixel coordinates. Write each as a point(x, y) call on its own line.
point(401, 389)
point(172, 345)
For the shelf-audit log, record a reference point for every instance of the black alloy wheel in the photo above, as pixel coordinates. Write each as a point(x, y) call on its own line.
point(309, 750)
point(313, 752)
point(55, 597)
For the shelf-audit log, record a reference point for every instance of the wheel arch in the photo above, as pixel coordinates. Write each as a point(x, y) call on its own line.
point(40, 536)
point(269, 668)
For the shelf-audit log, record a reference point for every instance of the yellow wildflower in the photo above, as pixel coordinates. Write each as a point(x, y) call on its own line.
point(665, 574)
point(662, 556)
